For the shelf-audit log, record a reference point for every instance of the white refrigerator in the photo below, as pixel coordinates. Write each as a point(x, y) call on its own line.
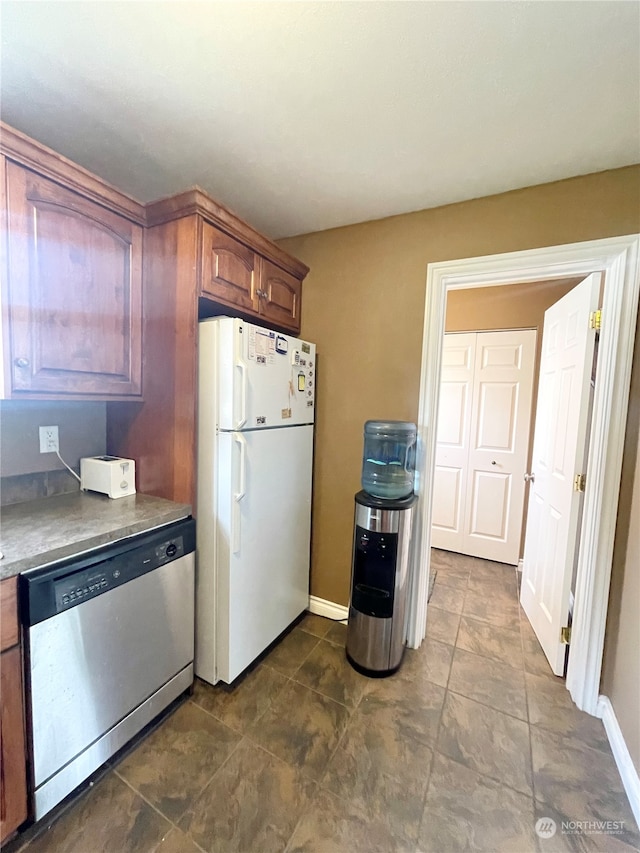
point(256, 401)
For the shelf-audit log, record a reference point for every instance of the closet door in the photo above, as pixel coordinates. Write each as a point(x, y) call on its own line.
point(491, 462)
point(452, 451)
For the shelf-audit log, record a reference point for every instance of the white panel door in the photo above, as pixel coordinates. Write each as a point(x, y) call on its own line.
point(489, 500)
point(558, 454)
point(454, 423)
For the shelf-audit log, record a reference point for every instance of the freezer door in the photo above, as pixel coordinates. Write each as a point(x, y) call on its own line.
point(262, 541)
point(264, 378)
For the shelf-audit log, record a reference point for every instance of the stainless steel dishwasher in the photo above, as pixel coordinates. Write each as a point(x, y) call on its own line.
point(109, 644)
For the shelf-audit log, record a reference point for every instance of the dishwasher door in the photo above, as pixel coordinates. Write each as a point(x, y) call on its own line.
point(91, 665)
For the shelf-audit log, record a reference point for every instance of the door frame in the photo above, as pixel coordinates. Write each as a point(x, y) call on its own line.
point(619, 260)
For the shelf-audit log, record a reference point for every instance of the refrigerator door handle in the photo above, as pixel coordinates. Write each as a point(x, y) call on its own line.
point(241, 441)
point(237, 496)
point(242, 367)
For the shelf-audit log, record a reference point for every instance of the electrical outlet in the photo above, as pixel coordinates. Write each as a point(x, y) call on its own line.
point(49, 439)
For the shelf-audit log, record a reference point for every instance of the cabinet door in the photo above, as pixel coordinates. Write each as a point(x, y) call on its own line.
point(279, 296)
point(13, 781)
point(228, 270)
point(75, 291)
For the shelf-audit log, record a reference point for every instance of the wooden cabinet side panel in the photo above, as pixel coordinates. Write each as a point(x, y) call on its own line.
point(160, 433)
point(13, 773)
point(9, 633)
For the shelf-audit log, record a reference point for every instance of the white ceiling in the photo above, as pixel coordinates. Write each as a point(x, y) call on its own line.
point(302, 116)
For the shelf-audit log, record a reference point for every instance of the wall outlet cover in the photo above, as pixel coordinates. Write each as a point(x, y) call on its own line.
point(49, 442)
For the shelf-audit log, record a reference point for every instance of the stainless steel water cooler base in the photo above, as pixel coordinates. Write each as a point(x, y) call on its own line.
point(379, 581)
point(370, 647)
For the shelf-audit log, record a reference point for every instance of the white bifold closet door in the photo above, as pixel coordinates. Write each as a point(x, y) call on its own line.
point(482, 443)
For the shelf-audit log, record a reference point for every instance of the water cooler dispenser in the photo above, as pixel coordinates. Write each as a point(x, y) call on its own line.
point(381, 548)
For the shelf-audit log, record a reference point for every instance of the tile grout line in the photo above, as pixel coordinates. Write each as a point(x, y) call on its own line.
point(155, 809)
point(193, 799)
point(537, 839)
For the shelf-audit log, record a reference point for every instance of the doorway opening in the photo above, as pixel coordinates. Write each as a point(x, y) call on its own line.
point(488, 426)
point(617, 260)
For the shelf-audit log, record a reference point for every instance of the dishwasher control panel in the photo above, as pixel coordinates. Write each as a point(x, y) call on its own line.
point(56, 589)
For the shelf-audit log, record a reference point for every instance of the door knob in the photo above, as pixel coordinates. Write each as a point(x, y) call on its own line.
point(530, 478)
point(21, 362)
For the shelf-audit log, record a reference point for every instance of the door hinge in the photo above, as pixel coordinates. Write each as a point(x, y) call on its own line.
point(595, 320)
point(565, 635)
point(579, 482)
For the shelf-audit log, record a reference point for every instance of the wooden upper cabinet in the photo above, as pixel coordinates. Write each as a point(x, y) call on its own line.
point(229, 270)
point(74, 292)
point(279, 295)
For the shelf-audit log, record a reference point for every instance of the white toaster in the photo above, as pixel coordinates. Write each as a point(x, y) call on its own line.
point(110, 475)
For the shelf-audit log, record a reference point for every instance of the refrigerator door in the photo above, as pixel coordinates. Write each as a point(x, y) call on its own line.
point(260, 558)
point(265, 379)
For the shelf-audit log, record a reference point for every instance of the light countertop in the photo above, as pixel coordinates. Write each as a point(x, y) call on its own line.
point(39, 532)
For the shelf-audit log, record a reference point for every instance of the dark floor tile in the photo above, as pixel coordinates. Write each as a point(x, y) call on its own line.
point(581, 782)
point(109, 817)
point(443, 560)
point(175, 762)
point(466, 811)
point(252, 804)
point(551, 708)
point(382, 771)
point(493, 571)
point(328, 671)
point(499, 644)
point(487, 741)
point(302, 727)
point(239, 705)
point(450, 577)
point(502, 613)
point(442, 625)
point(334, 825)
point(177, 842)
point(431, 661)
point(337, 634)
point(447, 598)
point(488, 681)
point(410, 705)
point(314, 624)
point(287, 656)
point(503, 587)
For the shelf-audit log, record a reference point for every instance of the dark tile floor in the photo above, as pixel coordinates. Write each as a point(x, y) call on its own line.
point(465, 748)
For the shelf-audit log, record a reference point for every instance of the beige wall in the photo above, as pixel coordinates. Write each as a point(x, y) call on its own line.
point(621, 668)
point(364, 307)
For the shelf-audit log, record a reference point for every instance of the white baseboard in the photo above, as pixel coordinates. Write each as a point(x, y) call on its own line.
point(626, 768)
point(520, 565)
point(322, 607)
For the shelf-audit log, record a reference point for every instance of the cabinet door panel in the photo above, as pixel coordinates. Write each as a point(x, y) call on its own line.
point(75, 286)
point(13, 782)
point(228, 269)
point(280, 300)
